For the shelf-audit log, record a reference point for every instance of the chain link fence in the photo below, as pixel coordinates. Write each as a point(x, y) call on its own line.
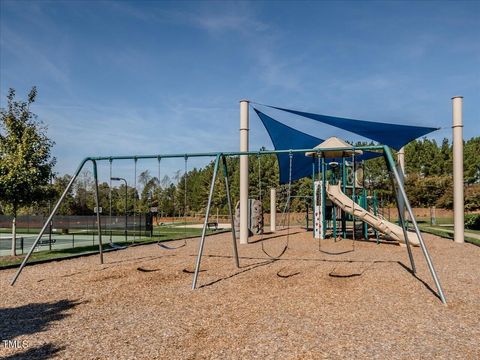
point(71, 231)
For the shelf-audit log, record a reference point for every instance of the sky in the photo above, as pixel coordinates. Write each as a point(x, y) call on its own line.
point(129, 78)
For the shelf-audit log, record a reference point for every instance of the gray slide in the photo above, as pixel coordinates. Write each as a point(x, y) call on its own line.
point(393, 231)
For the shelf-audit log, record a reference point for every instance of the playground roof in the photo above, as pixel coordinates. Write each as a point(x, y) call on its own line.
point(330, 143)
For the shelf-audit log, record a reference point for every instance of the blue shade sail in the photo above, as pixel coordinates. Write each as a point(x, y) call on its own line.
point(285, 138)
point(393, 135)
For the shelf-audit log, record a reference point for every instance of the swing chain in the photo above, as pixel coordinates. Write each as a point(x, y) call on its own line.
point(259, 179)
point(159, 243)
point(185, 196)
point(287, 207)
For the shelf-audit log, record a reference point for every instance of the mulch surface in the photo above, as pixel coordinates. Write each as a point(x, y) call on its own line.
point(345, 300)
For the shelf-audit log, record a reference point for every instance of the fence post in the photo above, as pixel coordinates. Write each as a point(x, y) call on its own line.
point(21, 243)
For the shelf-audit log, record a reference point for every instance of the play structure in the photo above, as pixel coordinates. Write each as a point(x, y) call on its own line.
point(331, 203)
point(341, 206)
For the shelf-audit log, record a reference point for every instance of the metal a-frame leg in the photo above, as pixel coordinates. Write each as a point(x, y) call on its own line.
point(230, 210)
point(405, 233)
point(49, 219)
point(400, 205)
point(204, 230)
point(403, 194)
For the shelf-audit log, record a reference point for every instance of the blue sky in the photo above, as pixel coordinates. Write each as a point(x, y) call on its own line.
point(163, 77)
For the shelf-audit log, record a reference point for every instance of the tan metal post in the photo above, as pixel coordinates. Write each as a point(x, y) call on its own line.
point(273, 209)
point(401, 158)
point(458, 201)
point(244, 128)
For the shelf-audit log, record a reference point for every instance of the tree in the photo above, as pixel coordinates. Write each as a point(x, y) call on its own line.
point(25, 157)
point(148, 198)
point(472, 160)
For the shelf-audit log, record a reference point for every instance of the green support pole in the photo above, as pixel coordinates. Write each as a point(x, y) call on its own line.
point(313, 197)
point(365, 203)
point(344, 188)
point(354, 195)
point(334, 217)
point(375, 212)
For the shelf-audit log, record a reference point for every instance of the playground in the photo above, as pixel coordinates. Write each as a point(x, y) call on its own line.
point(334, 303)
point(349, 283)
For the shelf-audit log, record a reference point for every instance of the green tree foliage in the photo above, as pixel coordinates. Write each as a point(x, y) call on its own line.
point(25, 156)
point(429, 170)
point(428, 191)
point(472, 160)
point(428, 183)
point(472, 221)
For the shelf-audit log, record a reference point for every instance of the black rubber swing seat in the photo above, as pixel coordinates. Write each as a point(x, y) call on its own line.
point(115, 246)
point(166, 247)
point(277, 256)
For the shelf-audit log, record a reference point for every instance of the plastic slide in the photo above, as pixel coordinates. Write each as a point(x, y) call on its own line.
point(393, 231)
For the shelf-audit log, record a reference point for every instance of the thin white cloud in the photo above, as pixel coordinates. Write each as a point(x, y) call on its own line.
point(210, 16)
point(21, 48)
point(258, 38)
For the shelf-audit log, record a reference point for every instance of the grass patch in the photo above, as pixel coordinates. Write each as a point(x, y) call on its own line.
point(447, 234)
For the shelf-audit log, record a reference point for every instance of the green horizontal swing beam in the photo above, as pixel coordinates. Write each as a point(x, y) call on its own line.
point(233, 153)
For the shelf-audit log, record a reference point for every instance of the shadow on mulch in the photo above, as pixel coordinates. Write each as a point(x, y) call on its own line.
point(138, 260)
point(420, 280)
point(301, 259)
point(268, 262)
point(32, 318)
point(265, 263)
point(38, 353)
point(273, 237)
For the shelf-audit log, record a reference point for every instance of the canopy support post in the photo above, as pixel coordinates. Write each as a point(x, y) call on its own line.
point(458, 200)
point(244, 129)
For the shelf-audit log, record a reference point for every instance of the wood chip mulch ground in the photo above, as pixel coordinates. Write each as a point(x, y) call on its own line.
point(353, 300)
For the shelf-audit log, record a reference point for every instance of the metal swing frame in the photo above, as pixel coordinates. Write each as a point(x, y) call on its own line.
point(221, 156)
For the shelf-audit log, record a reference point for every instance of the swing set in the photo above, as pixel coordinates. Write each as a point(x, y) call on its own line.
point(220, 160)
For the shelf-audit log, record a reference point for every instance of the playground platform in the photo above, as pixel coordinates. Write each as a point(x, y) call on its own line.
point(349, 300)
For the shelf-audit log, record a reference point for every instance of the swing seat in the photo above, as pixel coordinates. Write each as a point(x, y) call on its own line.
point(115, 246)
point(166, 247)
